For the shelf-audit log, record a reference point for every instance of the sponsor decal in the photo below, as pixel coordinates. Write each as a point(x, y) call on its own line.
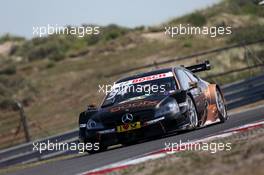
point(128, 127)
point(137, 104)
point(144, 79)
point(152, 77)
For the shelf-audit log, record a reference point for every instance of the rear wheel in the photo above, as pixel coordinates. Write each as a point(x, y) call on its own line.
point(192, 114)
point(221, 106)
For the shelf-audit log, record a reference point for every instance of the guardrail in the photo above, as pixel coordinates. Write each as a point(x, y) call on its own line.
point(237, 94)
point(244, 92)
point(187, 57)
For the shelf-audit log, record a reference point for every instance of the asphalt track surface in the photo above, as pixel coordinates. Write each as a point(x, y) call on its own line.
point(87, 162)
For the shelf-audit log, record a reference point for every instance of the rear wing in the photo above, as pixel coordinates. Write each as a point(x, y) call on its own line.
point(199, 67)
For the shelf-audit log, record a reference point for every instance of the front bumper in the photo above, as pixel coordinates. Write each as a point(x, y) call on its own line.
point(110, 136)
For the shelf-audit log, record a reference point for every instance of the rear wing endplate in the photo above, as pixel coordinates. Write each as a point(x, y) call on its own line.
point(199, 67)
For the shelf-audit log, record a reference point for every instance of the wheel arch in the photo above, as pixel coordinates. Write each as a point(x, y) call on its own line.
point(212, 110)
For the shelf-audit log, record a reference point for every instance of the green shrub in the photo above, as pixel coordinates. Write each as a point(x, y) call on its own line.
point(139, 28)
point(7, 104)
point(8, 37)
point(196, 19)
point(54, 47)
point(13, 82)
point(113, 31)
point(51, 64)
point(250, 33)
point(58, 55)
point(187, 44)
point(4, 91)
point(9, 70)
point(10, 85)
point(57, 47)
point(92, 39)
point(155, 29)
point(248, 7)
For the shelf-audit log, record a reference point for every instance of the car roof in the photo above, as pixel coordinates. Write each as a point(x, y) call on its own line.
point(159, 71)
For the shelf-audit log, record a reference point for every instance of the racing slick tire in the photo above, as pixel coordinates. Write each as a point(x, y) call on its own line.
point(191, 113)
point(221, 107)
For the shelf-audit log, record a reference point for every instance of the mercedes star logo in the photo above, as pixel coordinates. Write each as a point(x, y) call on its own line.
point(127, 118)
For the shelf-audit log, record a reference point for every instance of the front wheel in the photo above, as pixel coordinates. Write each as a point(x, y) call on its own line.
point(192, 114)
point(221, 107)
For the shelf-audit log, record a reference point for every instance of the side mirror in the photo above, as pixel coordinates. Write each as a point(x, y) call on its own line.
point(193, 85)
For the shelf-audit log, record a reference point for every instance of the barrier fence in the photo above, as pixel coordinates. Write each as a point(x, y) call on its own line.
point(237, 94)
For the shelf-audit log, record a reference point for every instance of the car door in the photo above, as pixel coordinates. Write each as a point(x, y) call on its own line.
point(199, 91)
point(186, 81)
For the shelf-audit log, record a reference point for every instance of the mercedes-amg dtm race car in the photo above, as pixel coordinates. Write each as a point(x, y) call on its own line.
point(134, 110)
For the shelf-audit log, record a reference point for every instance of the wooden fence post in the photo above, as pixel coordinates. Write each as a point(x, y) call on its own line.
point(23, 120)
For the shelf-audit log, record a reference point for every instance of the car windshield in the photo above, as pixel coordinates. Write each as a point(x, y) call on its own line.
point(140, 87)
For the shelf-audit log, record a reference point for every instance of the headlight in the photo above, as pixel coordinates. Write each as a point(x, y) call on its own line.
point(91, 124)
point(170, 107)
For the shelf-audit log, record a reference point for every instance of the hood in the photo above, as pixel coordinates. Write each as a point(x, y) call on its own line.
point(135, 105)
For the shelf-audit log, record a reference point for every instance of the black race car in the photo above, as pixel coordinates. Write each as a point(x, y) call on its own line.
point(151, 104)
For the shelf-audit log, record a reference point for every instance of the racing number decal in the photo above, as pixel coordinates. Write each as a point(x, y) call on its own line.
point(128, 127)
point(133, 125)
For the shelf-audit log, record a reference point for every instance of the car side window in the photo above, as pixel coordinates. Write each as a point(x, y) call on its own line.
point(183, 79)
point(191, 76)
